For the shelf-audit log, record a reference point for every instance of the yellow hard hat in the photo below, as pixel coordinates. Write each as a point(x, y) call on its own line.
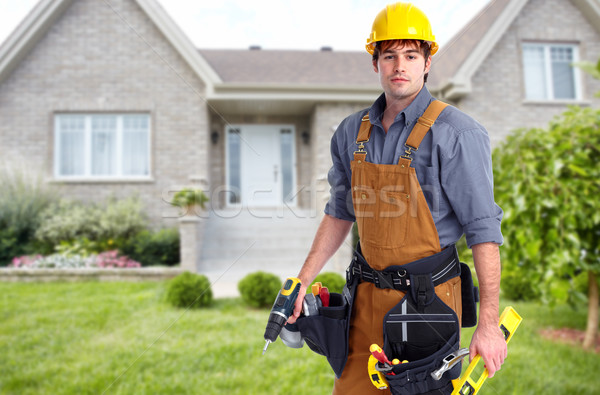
point(401, 21)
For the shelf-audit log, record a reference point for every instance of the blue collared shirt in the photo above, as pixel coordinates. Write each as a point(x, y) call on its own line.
point(453, 165)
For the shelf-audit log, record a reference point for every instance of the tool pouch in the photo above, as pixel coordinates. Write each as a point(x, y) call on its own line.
point(423, 330)
point(469, 296)
point(327, 332)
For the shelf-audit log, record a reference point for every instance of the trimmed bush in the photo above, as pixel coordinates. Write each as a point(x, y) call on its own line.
point(189, 290)
point(259, 289)
point(333, 281)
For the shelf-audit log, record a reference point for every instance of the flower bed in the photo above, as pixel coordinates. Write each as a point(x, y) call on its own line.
point(108, 259)
point(106, 266)
point(29, 274)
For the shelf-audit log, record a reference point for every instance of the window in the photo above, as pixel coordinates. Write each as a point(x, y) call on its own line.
point(287, 165)
point(235, 166)
point(549, 74)
point(102, 146)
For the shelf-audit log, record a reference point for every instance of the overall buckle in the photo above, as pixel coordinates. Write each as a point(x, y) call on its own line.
point(408, 151)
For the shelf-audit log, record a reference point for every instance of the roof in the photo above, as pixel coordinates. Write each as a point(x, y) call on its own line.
point(457, 62)
point(47, 12)
point(452, 55)
point(289, 67)
point(234, 79)
point(288, 82)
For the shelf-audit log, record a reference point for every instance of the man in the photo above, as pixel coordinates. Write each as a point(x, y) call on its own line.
point(410, 202)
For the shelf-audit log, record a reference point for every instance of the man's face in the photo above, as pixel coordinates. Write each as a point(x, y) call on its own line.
point(401, 70)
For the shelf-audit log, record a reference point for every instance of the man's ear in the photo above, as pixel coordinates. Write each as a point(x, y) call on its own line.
point(375, 66)
point(428, 65)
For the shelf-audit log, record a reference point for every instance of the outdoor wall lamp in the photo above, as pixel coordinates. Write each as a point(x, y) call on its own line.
point(214, 137)
point(305, 137)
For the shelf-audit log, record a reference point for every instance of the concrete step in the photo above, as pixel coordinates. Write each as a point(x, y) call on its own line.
point(277, 240)
point(273, 233)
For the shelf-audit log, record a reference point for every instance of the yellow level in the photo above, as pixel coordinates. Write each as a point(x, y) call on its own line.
point(466, 385)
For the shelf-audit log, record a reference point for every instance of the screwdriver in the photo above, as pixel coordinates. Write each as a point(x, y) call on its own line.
point(324, 295)
point(282, 309)
point(379, 354)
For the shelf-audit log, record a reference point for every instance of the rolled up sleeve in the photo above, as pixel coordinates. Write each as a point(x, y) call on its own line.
point(340, 200)
point(467, 181)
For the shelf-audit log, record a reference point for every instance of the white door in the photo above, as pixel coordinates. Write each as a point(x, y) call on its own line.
point(260, 164)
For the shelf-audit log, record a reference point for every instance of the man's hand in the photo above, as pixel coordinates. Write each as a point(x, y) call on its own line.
point(488, 341)
point(331, 234)
point(298, 305)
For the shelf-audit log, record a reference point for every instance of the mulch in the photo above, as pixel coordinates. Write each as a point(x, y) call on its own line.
point(569, 336)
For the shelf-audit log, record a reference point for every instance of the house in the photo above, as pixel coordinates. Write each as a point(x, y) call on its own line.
point(110, 98)
point(510, 67)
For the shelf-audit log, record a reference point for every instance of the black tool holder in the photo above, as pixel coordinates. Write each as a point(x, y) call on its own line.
point(421, 328)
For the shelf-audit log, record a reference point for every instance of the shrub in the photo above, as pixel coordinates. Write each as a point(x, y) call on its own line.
point(259, 289)
point(81, 246)
point(65, 221)
point(120, 219)
point(107, 224)
point(189, 290)
point(154, 248)
point(22, 200)
point(333, 281)
point(519, 285)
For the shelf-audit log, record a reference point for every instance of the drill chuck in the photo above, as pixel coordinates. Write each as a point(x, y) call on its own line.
point(276, 322)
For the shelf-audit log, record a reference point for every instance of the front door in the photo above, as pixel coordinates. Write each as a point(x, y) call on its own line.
point(260, 165)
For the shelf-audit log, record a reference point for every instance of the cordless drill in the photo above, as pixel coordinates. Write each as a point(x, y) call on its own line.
point(282, 309)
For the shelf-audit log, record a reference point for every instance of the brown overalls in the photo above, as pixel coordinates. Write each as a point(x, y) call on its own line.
point(395, 227)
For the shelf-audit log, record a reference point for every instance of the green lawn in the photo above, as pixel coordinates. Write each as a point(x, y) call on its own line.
point(122, 338)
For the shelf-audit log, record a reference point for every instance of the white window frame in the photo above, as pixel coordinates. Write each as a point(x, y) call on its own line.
point(87, 174)
point(547, 46)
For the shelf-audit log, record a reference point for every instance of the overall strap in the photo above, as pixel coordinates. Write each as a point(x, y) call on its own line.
point(364, 134)
point(422, 126)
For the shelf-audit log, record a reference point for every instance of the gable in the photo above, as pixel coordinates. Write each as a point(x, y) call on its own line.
point(47, 12)
point(453, 69)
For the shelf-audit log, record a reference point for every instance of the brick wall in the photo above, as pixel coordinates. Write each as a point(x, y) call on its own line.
point(325, 120)
point(498, 97)
point(98, 59)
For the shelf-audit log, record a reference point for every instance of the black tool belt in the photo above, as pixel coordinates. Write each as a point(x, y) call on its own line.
point(421, 328)
point(441, 266)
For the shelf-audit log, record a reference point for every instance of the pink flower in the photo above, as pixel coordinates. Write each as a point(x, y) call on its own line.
point(110, 259)
point(24, 261)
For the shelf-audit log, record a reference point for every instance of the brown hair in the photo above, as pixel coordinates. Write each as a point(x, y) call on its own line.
point(382, 46)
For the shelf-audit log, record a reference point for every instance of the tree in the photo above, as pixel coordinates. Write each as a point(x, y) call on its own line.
point(591, 69)
point(548, 183)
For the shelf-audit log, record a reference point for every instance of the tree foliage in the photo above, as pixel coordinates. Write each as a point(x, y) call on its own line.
point(548, 183)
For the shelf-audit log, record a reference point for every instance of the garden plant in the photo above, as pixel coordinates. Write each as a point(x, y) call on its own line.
point(547, 180)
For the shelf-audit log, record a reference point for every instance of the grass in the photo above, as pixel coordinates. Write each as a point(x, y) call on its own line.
point(122, 338)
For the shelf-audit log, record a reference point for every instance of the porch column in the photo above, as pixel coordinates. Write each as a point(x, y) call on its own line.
point(190, 243)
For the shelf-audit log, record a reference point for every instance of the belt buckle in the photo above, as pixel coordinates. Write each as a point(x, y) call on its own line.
point(351, 272)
